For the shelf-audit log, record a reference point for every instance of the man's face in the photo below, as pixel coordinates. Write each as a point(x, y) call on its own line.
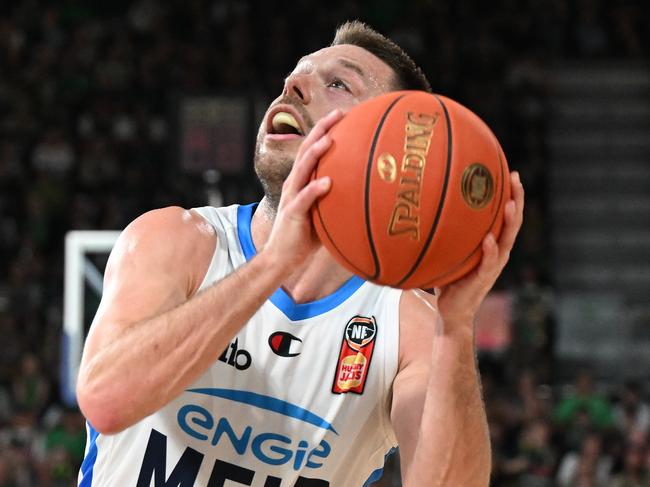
point(334, 77)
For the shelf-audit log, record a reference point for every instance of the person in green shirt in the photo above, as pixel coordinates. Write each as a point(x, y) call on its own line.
point(584, 400)
point(69, 435)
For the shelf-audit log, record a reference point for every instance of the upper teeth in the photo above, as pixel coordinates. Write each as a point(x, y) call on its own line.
point(284, 118)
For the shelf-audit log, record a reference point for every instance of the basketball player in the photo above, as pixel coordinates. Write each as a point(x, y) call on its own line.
point(230, 349)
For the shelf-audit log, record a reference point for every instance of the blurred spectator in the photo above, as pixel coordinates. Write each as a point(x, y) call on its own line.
point(581, 410)
point(629, 27)
point(20, 440)
point(10, 348)
point(6, 470)
point(631, 413)
point(23, 465)
point(534, 463)
point(533, 324)
point(635, 473)
point(590, 34)
point(590, 466)
point(53, 154)
point(69, 435)
point(98, 166)
point(58, 469)
point(6, 409)
point(30, 387)
point(534, 398)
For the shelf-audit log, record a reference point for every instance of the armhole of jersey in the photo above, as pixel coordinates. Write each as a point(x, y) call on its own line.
point(218, 264)
point(391, 356)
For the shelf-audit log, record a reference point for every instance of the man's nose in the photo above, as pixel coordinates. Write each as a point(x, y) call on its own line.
point(299, 86)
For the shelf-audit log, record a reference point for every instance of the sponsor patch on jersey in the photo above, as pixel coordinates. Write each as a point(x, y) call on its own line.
point(236, 357)
point(355, 356)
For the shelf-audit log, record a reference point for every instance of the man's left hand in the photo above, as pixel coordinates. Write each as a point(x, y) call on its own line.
point(459, 301)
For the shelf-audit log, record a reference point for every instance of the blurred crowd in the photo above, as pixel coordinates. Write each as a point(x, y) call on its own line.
point(578, 436)
point(87, 92)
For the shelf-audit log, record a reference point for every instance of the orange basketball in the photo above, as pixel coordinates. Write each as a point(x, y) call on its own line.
point(418, 181)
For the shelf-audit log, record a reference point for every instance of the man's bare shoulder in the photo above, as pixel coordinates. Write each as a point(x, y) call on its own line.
point(418, 321)
point(173, 239)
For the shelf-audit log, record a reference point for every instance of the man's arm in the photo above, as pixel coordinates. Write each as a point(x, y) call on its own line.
point(151, 338)
point(437, 411)
point(148, 342)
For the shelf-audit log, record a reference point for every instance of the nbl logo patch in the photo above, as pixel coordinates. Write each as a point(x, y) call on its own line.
point(355, 356)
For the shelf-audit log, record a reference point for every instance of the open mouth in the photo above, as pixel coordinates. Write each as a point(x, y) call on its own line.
point(284, 123)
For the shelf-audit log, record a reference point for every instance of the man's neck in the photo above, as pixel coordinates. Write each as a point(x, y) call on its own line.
point(267, 208)
point(319, 276)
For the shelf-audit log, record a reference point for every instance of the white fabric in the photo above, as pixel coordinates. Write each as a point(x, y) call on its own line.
point(265, 406)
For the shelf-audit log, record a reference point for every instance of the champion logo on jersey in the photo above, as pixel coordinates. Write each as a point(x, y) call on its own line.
point(357, 347)
point(284, 344)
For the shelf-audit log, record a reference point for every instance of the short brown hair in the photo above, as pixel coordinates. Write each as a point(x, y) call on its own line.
point(408, 76)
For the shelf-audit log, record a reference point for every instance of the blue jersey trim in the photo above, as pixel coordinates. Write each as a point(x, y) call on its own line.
point(89, 461)
point(270, 404)
point(244, 218)
point(281, 300)
point(376, 475)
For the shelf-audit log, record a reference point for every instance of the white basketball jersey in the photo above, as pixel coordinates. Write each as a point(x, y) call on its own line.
point(300, 397)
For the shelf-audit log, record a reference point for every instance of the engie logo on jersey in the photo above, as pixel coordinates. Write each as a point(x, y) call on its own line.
point(264, 453)
point(355, 356)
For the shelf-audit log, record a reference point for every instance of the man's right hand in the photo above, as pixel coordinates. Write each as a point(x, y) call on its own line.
point(292, 237)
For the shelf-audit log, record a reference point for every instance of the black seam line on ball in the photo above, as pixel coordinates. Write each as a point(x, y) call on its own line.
point(490, 228)
point(441, 203)
point(503, 188)
point(341, 254)
point(371, 157)
point(331, 240)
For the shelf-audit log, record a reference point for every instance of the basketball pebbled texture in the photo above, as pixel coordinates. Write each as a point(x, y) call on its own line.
point(418, 181)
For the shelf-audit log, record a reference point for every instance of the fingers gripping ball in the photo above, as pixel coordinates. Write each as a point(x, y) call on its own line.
point(418, 181)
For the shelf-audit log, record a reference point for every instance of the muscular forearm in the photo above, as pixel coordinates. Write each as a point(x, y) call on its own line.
point(150, 362)
point(453, 447)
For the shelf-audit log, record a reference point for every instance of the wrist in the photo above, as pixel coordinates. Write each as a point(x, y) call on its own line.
point(273, 264)
point(459, 328)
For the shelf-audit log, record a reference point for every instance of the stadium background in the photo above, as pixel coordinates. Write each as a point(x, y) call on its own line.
point(94, 130)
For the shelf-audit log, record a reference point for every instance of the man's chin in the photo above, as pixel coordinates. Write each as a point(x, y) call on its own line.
point(281, 145)
point(272, 172)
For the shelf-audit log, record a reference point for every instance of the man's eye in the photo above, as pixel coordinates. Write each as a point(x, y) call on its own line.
point(338, 84)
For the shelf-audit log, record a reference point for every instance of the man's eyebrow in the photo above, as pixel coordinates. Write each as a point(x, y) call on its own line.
point(352, 66)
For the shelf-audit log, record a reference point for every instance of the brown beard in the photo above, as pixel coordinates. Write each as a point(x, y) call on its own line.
point(272, 172)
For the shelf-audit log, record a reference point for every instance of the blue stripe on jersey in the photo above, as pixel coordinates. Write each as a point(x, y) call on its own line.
point(244, 218)
point(281, 300)
point(376, 475)
point(270, 404)
point(89, 462)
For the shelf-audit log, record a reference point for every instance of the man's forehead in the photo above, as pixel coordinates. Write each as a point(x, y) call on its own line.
point(348, 54)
